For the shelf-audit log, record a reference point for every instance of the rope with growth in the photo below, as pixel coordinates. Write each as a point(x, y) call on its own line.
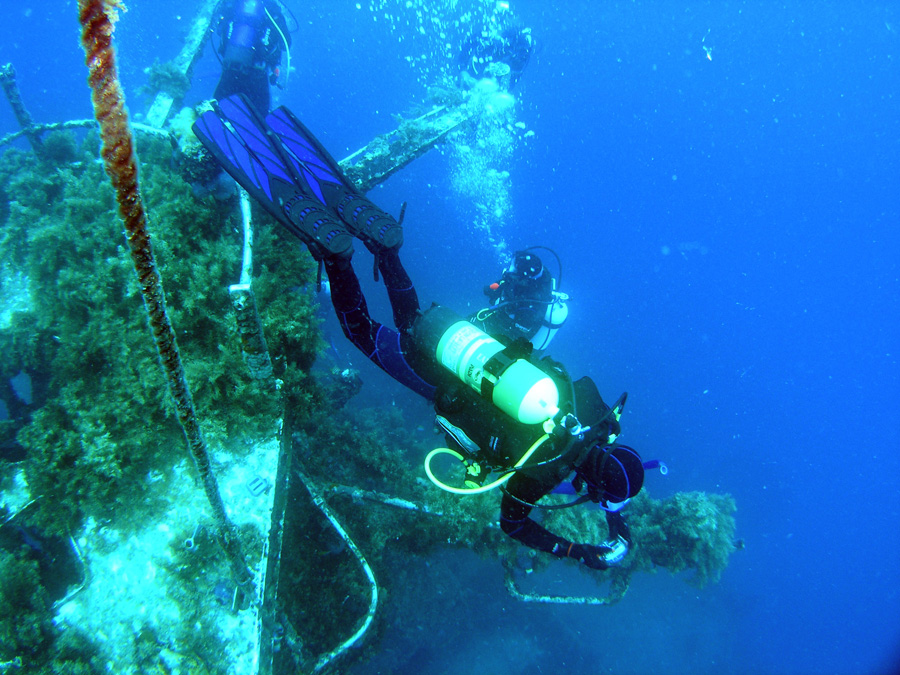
point(97, 18)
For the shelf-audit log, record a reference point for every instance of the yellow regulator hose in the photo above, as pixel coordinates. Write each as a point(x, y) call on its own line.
point(484, 488)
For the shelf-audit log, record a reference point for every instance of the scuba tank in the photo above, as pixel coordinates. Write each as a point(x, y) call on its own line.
point(554, 318)
point(243, 32)
point(514, 385)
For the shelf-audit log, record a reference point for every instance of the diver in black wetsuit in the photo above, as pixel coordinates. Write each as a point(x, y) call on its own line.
point(500, 49)
point(253, 34)
point(528, 420)
point(524, 303)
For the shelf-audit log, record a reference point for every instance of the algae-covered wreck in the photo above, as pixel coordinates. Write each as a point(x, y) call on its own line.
point(115, 556)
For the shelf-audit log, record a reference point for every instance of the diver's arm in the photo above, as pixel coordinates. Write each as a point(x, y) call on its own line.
point(515, 522)
point(617, 526)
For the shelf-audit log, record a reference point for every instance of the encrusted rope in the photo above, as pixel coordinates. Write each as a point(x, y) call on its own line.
point(97, 18)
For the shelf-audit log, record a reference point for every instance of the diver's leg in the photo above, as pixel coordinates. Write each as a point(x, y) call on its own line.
point(257, 90)
point(386, 348)
point(229, 83)
point(401, 292)
point(350, 305)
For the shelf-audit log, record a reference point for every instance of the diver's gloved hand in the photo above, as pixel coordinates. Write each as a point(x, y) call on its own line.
point(591, 556)
point(493, 291)
point(600, 557)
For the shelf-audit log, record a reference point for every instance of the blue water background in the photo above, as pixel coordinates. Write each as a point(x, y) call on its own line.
point(729, 230)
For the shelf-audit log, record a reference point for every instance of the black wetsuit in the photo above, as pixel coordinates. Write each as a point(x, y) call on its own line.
point(518, 306)
point(512, 46)
point(501, 440)
point(250, 47)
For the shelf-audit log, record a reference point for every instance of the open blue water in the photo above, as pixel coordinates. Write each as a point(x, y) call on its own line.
point(730, 230)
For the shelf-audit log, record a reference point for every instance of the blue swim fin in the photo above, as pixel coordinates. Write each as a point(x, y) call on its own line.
point(239, 139)
point(306, 153)
point(373, 226)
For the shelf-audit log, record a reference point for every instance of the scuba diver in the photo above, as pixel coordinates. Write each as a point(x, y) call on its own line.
point(502, 410)
point(500, 49)
point(525, 302)
point(252, 35)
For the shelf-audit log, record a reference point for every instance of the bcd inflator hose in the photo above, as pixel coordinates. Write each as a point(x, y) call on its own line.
point(484, 488)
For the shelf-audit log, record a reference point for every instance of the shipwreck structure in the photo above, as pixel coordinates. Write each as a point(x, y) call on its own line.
point(122, 549)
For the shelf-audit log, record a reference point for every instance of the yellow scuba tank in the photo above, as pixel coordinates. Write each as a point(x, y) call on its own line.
point(515, 386)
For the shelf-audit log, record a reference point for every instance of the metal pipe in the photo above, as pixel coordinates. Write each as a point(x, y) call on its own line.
point(11, 89)
point(319, 501)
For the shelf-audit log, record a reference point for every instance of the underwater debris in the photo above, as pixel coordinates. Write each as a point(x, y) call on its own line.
point(29, 637)
point(100, 448)
point(23, 117)
point(167, 78)
point(253, 338)
point(60, 566)
point(387, 154)
point(76, 321)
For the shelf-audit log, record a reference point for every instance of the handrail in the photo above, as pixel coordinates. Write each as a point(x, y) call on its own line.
point(319, 500)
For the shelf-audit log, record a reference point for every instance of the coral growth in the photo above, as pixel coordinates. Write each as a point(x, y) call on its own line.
point(101, 437)
point(692, 531)
point(60, 147)
point(689, 531)
point(107, 419)
point(28, 635)
point(167, 78)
